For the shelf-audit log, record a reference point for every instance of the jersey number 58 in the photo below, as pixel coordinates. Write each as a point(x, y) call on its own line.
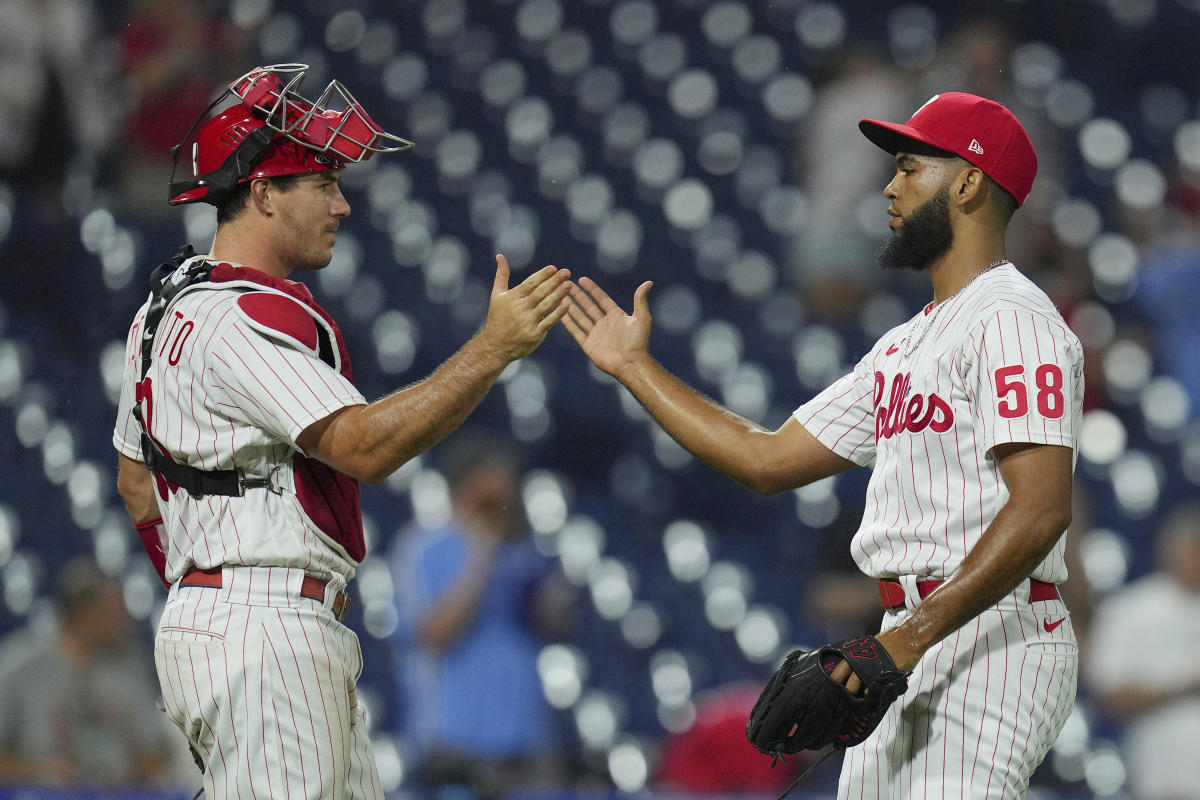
point(1013, 394)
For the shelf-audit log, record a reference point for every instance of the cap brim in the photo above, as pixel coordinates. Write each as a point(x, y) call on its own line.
point(891, 137)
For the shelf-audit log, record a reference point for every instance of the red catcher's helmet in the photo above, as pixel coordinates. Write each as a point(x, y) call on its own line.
point(274, 131)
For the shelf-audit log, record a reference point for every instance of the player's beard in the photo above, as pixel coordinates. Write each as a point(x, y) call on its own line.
point(922, 238)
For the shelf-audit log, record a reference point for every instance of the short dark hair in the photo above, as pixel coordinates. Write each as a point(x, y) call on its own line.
point(1002, 199)
point(1006, 204)
point(235, 202)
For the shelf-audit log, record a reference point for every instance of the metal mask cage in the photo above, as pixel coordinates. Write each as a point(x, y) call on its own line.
point(345, 130)
point(341, 135)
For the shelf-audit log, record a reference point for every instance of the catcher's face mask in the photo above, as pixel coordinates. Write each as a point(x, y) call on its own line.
point(273, 131)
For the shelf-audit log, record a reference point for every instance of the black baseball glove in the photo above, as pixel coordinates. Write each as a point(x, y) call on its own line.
point(802, 708)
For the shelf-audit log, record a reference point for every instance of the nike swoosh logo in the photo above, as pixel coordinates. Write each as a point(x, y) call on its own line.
point(1050, 626)
point(892, 349)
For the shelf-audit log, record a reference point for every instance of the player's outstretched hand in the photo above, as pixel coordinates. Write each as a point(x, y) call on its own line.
point(519, 318)
point(611, 338)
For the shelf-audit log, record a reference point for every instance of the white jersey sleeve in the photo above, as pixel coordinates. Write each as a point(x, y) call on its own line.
point(1024, 372)
point(127, 433)
point(842, 417)
point(274, 383)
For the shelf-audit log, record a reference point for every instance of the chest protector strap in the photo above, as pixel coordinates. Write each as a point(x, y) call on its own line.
point(166, 282)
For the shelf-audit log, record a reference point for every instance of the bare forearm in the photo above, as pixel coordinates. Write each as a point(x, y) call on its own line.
point(762, 460)
point(373, 441)
point(725, 441)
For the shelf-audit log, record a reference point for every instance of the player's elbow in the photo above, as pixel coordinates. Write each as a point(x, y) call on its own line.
point(374, 477)
point(374, 466)
point(768, 477)
point(362, 467)
point(135, 485)
point(350, 441)
point(766, 484)
point(129, 490)
point(1058, 521)
point(1049, 523)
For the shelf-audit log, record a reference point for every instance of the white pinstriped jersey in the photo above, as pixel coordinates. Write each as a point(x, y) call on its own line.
point(997, 365)
point(229, 392)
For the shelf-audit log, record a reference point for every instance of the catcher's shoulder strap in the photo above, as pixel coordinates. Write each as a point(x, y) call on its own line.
point(167, 282)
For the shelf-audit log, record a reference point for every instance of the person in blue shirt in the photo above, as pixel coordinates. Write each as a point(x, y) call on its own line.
point(477, 601)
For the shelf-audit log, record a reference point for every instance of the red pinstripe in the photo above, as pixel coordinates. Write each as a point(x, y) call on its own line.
point(1003, 694)
point(206, 307)
point(216, 739)
point(946, 529)
point(919, 527)
point(1032, 691)
point(186, 532)
point(291, 710)
point(192, 406)
point(1065, 699)
point(304, 692)
point(966, 694)
point(262, 713)
point(343, 724)
point(1038, 357)
point(303, 380)
point(265, 388)
point(987, 685)
point(853, 427)
point(226, 387)
point(832, 400)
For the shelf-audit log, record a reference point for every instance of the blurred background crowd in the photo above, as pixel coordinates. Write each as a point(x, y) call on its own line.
point(560, 601)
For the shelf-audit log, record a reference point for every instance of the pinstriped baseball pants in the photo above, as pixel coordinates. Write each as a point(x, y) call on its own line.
point(983, 708)
point(262, 683)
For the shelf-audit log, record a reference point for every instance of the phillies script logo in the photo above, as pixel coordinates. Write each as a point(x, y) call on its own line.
point(903, 412)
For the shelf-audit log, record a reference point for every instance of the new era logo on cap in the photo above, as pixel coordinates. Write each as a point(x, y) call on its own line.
point(974, 128)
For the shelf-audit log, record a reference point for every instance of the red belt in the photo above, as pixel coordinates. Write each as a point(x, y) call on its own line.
point(311, 587)
point(891, 593)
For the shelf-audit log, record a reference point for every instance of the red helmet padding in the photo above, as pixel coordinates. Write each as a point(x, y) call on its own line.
point(221, 135)
point(350, 133)
point(272, 131)
point(258, 86)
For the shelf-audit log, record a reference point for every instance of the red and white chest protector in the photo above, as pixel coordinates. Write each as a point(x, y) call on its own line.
point(242, 364)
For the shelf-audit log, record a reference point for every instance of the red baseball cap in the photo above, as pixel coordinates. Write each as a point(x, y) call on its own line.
point(979, 130)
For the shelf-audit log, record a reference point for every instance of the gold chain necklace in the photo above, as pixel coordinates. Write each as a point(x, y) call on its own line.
point(932, 316)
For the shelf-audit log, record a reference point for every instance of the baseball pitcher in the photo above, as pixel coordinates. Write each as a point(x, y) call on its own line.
point(969, 417)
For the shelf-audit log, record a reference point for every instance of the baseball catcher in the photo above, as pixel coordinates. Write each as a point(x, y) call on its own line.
point(805, 707)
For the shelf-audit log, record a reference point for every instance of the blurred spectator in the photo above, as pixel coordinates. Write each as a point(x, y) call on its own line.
point(1168, 285)
point(475, 596)
point(57, 117)
point(1167, 235)
point(78, 708)
point(1144, 664)
point(175, 55)
point(56, 125)
point(834, 256)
